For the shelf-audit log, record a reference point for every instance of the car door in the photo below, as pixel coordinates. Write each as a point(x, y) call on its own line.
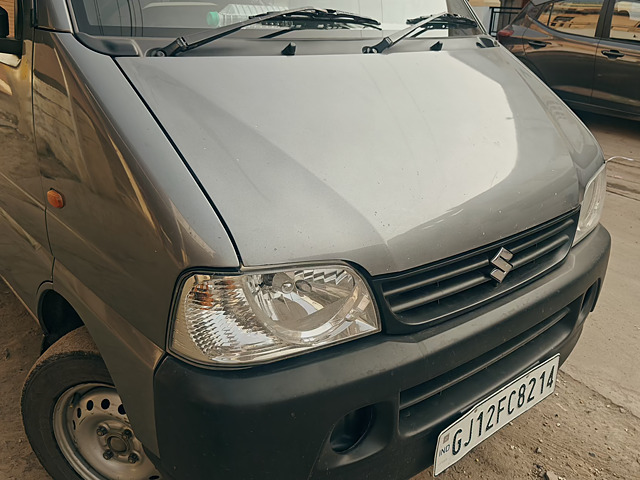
point(617, 68)
point(25, 259)
point(561, 44)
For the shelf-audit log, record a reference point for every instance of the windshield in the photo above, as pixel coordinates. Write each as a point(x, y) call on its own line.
point(159, 18)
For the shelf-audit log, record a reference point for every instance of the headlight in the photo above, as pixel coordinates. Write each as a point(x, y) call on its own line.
point(261, 317)
point(592, 204)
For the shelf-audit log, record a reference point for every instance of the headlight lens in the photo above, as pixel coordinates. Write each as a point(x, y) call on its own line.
point(260, 317)
point(592, 204)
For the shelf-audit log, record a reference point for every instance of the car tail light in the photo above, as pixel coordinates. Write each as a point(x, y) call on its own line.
point(505, 33)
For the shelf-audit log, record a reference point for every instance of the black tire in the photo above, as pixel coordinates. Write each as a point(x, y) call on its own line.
point(56, 389)
point(72, 360)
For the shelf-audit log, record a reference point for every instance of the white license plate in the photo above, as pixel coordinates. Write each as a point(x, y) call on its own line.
point(493, 413)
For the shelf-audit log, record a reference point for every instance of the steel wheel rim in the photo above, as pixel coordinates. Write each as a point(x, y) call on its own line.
point(94, 435)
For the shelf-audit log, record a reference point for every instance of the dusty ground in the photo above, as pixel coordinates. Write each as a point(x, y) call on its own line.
point(576, 434)
point(589, 429)
point(19, 348)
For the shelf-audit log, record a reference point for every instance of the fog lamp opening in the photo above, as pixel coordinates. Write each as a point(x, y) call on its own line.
point(351, 429)
point(589, 301)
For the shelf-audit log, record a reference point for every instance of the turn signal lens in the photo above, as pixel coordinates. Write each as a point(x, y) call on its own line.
point(55, 199)
point(504, 33)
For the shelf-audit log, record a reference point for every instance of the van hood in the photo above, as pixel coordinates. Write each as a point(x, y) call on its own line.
point(388, 161)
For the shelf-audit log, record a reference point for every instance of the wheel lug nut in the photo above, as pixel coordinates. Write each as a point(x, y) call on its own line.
point(108, 454)
point(127, 434)
point(101, 431)
point(133, 458)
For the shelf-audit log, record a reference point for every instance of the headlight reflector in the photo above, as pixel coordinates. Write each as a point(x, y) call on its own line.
point(260, 317)
point(592, 204)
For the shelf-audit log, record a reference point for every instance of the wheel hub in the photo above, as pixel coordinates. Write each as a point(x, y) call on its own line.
point(117, 444)
point(95, 436)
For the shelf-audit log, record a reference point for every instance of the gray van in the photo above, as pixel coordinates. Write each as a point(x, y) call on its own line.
point(268, 240)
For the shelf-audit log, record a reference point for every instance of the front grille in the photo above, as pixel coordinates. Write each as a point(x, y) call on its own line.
point(423, 406)
point(453, 286)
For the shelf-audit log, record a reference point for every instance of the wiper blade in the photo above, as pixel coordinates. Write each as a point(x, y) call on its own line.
point(448, 19)
point(326, 20)
point(183, 44)
point(326, 15)
point(418, 25)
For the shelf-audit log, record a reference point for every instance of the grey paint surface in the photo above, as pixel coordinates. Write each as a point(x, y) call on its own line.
point(53, 16)
point(374, 159)
point(25, 259)
point(135, 218)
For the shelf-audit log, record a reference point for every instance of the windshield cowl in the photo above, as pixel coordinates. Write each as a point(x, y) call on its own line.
point(243, 47)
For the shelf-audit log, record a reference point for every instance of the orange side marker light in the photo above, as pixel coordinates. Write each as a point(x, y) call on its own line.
point(55, 198)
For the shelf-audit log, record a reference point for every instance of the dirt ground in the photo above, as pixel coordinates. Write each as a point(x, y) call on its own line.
point(575, 434)
point(578, 433)
point(20, 341)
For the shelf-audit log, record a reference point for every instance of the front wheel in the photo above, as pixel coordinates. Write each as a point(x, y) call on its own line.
point(75, 420)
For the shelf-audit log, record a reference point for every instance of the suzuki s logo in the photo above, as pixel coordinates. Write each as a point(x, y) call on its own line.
point(501, 262)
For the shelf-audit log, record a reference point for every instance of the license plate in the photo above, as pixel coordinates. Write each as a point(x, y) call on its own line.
point(493, 413)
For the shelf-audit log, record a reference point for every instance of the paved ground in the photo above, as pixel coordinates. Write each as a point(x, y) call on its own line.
point(589, 429)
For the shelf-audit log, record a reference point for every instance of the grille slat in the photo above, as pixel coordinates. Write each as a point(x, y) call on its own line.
point(440, 277)
point(519, 246)
point(453, 286)
point(420, 393)
point(436, 294)
point(529, 257)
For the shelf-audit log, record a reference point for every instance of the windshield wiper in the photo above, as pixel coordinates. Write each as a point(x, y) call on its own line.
point(183, 44)
point(328, 19)
point(419, 25)
point(326, 15)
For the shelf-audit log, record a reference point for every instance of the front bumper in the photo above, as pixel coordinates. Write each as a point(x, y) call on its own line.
point(275, 421)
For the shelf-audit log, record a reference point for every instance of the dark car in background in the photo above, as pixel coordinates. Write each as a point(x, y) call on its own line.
point(587, 51)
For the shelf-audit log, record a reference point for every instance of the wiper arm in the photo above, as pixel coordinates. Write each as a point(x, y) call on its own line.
point(420, 23)
point(183, 44)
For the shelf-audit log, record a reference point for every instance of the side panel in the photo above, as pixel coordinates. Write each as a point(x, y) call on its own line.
point(130, 357)
point(134, 217)
point(617, 69)
point(561, 43)
point(565, 62)
point(25, 259)
point(617, 83)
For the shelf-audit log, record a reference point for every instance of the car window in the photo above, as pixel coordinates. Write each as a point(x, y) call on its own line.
point(578, 17)
point(544, 13)
point(528, 13)
point(625, 22)
point(10, 7)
